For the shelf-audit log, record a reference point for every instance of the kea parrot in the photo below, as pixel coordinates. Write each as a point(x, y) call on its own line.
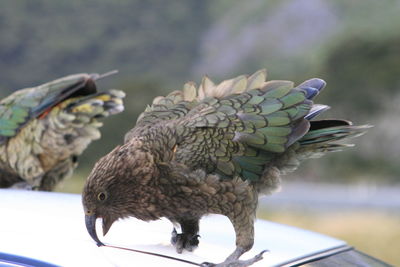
point(212, 149)
point(44, 129)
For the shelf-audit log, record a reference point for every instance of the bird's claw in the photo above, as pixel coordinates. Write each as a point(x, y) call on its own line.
point(184, 241)
point(236, 263)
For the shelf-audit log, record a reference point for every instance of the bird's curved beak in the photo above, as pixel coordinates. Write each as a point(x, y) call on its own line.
point(90, 221)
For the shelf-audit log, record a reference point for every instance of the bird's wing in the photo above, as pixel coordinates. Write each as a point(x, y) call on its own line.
point(177, 104)
point(246, 124)
point(24, 105)
point(174, 106)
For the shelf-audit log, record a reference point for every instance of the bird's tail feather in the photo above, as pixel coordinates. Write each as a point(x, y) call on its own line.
point(81, 113)
point(98, 105)
point(324, 135)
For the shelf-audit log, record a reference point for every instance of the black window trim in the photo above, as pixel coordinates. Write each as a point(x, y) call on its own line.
point(23, 261)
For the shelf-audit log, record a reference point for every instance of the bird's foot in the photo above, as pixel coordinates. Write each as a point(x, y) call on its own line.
point(236, 263)
point(184, 241)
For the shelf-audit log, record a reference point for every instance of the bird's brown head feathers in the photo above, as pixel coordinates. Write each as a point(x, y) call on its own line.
point(113, 188)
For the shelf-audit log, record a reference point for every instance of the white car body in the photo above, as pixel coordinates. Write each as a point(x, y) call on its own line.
point(50, 227)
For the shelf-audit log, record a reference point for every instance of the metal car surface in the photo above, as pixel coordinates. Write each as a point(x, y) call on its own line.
point(49, 228)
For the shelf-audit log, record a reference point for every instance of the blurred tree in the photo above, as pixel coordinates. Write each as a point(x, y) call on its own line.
point(45, 39)
point(363, 73)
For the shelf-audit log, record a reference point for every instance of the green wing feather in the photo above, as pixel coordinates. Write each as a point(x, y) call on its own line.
point(27, 104)
point(255, 126)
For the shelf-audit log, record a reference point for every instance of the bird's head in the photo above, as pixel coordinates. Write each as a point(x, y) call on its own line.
point(113, 188)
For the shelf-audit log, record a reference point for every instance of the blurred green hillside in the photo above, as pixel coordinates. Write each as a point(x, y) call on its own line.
point(159, 45)
point(45, 39)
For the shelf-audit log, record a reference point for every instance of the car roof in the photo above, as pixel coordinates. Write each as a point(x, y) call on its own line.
point(50, 227)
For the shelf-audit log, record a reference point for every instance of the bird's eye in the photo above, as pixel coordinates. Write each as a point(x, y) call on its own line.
point(102, 196)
